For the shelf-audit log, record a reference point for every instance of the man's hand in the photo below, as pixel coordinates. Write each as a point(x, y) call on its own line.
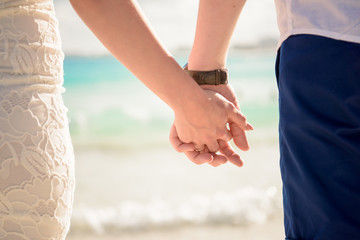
point(209, 52)
point(238, 134)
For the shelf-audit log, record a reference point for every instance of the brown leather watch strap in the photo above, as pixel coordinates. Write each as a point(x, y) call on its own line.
point(214, 77)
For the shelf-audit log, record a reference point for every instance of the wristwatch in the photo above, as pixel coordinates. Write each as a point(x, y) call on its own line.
point(214, 77)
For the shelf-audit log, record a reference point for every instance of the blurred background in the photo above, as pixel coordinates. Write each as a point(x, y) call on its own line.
point(131, 184)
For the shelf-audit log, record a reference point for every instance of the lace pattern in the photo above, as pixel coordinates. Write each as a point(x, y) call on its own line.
point(36, 155)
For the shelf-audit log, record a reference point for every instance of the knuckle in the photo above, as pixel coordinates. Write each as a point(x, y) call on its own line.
point(214, 164)
point(220, 132)
point(225, 135)
point(197, 161)
point(172, 141)
point(178, 149)
point(185, 140)
point(243, 116)
point(208, 138)
point(228, 152)
point(230, 105)
point(214, 148)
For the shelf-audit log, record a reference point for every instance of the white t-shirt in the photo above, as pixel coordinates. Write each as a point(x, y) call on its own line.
point(338, 19)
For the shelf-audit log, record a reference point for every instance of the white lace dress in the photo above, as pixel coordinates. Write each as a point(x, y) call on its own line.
point(36, 155)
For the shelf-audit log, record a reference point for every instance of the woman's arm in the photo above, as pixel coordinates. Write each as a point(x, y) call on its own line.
point(124, 31)
point(122, 28)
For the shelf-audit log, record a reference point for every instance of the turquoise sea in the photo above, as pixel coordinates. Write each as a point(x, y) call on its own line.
point(106, 101)
point(128, 176)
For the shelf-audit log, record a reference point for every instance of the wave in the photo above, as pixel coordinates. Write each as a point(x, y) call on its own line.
point(244, 206)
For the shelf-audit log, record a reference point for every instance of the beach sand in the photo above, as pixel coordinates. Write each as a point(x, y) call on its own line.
point(262, 161)
point(271, 230)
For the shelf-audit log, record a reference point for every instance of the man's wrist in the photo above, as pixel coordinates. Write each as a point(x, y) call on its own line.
point(213, 77)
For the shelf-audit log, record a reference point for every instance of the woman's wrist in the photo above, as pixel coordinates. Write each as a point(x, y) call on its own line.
point(190, 100)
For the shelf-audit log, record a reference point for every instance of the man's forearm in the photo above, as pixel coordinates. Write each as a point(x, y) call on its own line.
point(215, 26)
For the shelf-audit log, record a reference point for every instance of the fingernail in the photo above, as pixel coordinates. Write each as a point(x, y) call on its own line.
point(249, 126)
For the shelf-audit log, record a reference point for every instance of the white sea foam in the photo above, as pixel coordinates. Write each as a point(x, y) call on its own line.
point(245, 206)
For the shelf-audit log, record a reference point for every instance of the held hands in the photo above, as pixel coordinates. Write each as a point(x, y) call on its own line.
point(203, 130)
point(239, 136)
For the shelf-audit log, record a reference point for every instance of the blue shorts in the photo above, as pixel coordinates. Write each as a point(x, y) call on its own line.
point(319, 100)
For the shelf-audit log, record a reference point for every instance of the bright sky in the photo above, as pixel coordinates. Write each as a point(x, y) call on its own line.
point(173, 20)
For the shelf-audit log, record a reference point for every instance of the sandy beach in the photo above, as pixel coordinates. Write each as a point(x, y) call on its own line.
point(260, 172)
point(271, 230)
